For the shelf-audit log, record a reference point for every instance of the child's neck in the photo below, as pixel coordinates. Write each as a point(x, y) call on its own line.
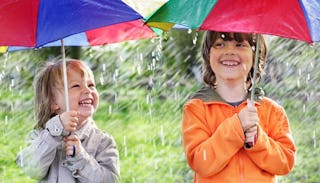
point(232, 93)
point(82, 123)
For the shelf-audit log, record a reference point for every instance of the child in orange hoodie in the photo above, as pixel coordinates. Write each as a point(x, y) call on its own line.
point(226, 140)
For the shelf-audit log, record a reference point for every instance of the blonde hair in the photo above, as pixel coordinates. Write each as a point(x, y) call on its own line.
point(50, 79)
point(211, 36)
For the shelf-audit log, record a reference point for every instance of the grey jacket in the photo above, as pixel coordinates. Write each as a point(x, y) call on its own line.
point(45, 159)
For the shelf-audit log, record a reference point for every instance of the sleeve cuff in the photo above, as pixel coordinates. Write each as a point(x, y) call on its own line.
point(55, 127)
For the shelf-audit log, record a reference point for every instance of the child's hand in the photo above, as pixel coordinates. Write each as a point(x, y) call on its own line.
point(248, 117)
point(251, 132)
point(72, 143)
point(69, 120)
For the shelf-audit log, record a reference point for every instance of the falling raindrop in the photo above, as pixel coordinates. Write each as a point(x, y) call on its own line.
point(298, 83)
point(308, 78)
point(90, 53)
point(5, 119)
point(6, 57)
point(121, 58)
point(314, 139)
point(162, 135)
point(104, 67)
point(101, 79)
point(21, 160)
point(139, 69)
point(195, 39)
point(148, 100)
point(156, 164)
point(124, 141)
point(110, 109)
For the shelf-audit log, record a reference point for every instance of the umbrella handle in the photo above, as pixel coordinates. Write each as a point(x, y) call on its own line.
point(256, 60)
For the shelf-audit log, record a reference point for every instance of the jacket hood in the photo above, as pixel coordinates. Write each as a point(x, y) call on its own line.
point(207, 94)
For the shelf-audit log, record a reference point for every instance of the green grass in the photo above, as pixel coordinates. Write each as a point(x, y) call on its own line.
point(147, 132)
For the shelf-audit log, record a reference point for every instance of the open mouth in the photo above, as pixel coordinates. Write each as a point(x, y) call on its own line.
point(86, 102)
point(230, 63)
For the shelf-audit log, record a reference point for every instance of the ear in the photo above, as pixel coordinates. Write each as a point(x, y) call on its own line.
point(55, 106)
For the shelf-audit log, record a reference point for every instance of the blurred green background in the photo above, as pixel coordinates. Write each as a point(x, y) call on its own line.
point(143, 86)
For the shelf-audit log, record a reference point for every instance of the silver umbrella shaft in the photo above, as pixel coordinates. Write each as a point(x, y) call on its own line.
point(65, 79)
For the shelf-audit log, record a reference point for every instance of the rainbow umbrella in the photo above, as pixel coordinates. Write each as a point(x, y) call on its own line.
point(79, 23)
point(286, 18)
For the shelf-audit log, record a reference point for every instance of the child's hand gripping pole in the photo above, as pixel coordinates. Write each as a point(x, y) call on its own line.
point(251, 140)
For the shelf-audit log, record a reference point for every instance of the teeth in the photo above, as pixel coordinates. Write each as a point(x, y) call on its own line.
point(86, 102)
point(230, 63)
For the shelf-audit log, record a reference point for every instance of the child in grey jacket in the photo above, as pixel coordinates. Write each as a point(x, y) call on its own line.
point(66, 145)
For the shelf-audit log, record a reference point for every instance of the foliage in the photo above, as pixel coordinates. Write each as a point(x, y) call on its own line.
point(143, 86)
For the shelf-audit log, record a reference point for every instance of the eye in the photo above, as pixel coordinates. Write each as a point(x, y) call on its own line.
point(242, 44)
point(218, 45)
point(91, 85)
point(75, 85)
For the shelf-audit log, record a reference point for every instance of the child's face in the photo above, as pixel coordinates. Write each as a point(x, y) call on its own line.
point(231, 60)
point(83, 96)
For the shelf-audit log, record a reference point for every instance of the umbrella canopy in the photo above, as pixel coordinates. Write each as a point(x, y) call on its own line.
point(124, 21)
point(286, 18)
point(34, 23)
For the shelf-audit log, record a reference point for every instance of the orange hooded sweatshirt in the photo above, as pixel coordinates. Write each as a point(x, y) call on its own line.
point(213, 141)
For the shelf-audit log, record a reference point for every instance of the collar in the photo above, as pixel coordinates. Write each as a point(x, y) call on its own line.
point(207, 94)
point(84, 132)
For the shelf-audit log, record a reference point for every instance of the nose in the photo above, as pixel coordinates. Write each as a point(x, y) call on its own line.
point(86, 89)
point(229, 49)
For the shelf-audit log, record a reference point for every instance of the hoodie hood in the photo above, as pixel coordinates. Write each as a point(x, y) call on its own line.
point(207, 94)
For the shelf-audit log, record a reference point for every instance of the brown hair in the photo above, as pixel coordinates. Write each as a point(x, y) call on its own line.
point(211, 36)
point(49, 79)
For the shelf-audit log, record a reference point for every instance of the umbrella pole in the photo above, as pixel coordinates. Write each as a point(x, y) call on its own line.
point(65, 79)
point(256, 60)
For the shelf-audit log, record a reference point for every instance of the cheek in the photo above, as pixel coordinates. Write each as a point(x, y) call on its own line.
point(96, 96)
point(213, 62)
